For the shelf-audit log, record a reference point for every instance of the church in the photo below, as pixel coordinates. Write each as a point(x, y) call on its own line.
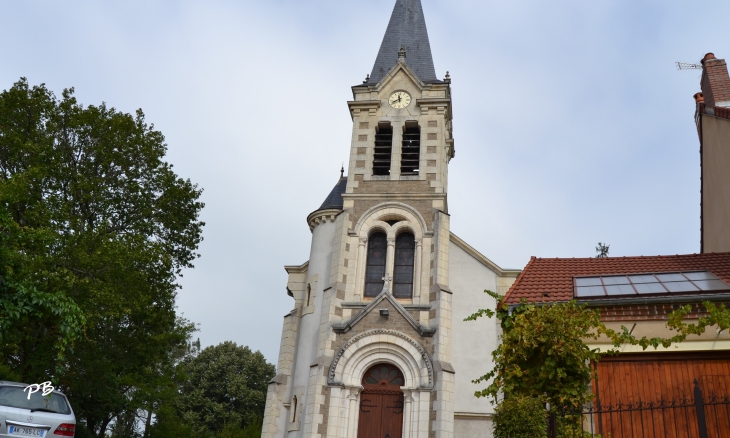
point(376, 345)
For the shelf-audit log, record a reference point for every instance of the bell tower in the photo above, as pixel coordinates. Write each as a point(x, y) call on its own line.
point(374, 297)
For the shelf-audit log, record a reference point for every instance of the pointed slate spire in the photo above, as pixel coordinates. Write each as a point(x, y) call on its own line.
point(407, 29)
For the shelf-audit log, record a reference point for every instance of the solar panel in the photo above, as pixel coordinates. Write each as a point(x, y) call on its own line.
point(590, 291)
point(620, 289)
point(680, 286)
point(648, 284)
point(643, 279)
point(590, 281)
point(700, 276)
point(711, 284)
point(622, 279)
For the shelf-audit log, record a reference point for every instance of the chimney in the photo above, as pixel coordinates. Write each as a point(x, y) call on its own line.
point(715, 83)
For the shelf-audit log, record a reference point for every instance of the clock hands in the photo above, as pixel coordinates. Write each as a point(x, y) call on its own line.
point(399, 99)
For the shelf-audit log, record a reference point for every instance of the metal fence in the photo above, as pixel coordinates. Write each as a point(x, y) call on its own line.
point(699, 416)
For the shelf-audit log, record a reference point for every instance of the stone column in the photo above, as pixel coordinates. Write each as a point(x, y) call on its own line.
point(390, 259)
point(397, 148)
point(352, 412)
point(361, 261)
point(417, 273)
point(408, 404)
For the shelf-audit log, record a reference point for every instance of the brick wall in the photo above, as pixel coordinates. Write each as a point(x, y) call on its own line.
point(722, 112)
point(642, 312)
point(715, 81)
point(380, 187)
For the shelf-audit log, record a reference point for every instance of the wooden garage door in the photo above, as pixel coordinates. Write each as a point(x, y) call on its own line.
point(669, 377)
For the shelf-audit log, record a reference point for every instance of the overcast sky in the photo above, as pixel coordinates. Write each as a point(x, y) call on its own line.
point(571, 123)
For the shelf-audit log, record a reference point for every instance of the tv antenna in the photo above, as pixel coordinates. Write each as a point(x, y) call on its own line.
point(688, 66)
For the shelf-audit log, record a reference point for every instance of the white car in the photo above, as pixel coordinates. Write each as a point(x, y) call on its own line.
point(48, 416)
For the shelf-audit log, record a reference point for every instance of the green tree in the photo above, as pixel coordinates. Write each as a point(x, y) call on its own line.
point(224, 384)
point(520, 417)
point(99, 222)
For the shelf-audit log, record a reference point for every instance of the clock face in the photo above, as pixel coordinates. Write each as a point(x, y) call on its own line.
point(399, 99)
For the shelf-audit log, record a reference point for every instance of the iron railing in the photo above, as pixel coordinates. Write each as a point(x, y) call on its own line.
point(699, 416)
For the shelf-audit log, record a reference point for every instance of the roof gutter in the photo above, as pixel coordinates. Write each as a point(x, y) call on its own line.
point(681, 299)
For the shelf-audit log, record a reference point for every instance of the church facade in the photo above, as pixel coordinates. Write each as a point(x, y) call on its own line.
point(376, 345)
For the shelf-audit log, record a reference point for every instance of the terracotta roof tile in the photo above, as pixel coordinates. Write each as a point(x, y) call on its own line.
point(554, 276)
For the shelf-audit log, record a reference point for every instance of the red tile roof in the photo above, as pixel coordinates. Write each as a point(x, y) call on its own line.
point(722, 112)
point(554, 277)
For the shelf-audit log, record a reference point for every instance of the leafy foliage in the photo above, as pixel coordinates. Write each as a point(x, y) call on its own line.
point(224, 384)
point(96, 227)
point(22, 303)
point(602, 250)
point(520, 417)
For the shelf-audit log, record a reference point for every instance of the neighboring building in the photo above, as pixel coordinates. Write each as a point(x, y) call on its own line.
point(639, 293)
point(376, 345)
point(713, 126)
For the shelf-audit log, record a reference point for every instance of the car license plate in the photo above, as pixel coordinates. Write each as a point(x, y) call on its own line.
point(26, 431)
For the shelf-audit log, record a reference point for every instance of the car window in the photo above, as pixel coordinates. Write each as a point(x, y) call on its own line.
point(15, 397)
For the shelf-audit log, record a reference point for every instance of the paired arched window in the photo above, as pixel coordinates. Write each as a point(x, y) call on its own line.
point(405, 251)
point(375, 270)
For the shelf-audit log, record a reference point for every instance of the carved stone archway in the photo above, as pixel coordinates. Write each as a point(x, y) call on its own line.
point(357, 356)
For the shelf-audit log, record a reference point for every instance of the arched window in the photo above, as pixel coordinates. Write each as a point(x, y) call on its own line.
point(405, 251)
point(309, 293)
point(375, 269)
point(294, 409)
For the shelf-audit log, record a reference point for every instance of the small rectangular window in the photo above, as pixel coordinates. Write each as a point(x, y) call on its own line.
point(411, 150)
point(383, 149)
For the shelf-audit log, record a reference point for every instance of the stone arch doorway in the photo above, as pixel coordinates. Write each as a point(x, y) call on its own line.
point(381, 403)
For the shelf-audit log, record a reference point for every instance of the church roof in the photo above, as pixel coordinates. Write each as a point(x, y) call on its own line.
point(407, 28)
point(334, 199)
point(551, 279)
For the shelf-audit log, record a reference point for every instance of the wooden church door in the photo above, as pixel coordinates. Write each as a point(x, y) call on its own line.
point(381, 403)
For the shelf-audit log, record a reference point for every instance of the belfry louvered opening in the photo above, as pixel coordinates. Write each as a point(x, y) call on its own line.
point(383, 149)
point(411, 149)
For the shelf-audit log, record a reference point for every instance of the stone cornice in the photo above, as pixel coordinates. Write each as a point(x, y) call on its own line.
point(301, 269)
point(440, 104)
point(346, 326)
point(388, 196)
point(433, 101)
point(322, 216)
point(359, 305)
point(356, 106)
point(364, 104)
